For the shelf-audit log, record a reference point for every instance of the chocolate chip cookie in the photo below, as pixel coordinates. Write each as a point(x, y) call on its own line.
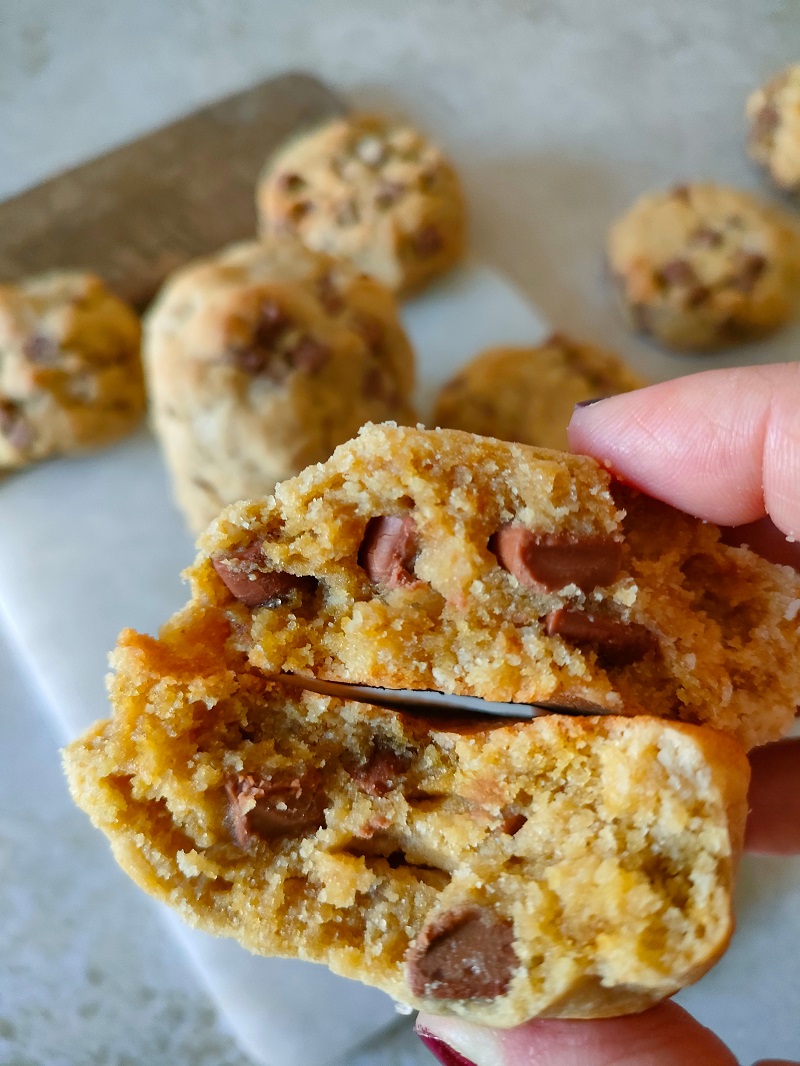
point(263, 359)
point(703, 266)
point(773, 136)
point(372, 191)
point(435, 559)
point(70, 375)
point(478, 867)
point(528, 394)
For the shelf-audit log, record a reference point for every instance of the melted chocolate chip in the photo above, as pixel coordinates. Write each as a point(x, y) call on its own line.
point(14, 425)
point(389, 192)
point(427, 241)
point(381, 772)
point(749, 267)
point(242, 574)
point(678, 272)
point(766, 122)
point(616, 643)
point(706, 237)
point(552, 560)
point(40, 349)
point(512, 823)
point(466, 953)
point(388, 549)
point(270, 809)
point(290, 182)
point(309, 355)
point(256, 356)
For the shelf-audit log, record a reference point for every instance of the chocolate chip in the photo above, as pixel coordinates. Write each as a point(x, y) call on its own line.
point(766, 122)
point(389, 192)
point(40, 349)
point(697, 295)
point(14, 425)
point(382, 770)
point(309, 355)
point(749, 266)
point(616, 643)
point(242, 574)
point(553, 560)
point(706, 237)
point(256, 356)
point(466, 953)
point(290, 182)
point(512, 823)
point(388, 549)
point(427, 241)
point(678, 272)
point(270, 809)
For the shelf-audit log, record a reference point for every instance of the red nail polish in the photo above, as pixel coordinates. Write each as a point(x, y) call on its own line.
point(443, 1053)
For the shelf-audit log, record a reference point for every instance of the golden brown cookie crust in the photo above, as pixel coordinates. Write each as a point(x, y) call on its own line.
point(70, 375)
point(372, 191)
point(528, 394)
point(260, 361)
point(703, 266)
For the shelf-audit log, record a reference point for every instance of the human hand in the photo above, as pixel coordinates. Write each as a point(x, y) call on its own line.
point(724, 446)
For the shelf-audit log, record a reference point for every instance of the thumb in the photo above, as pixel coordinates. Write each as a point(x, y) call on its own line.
point(723, 445)
point(662, 1036)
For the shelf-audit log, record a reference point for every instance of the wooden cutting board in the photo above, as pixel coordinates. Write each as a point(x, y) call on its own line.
point(135, 214)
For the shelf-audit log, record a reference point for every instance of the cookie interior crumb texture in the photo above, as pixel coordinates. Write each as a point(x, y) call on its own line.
point(70, 373)
point(773, 140)
point(435, 559)
point(565, 867)
point(528, 394)
point(372, 191)
point(260, 361)
point(703, 266)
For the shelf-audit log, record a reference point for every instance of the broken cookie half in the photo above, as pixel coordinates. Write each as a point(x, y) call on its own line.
point(445, 561)
point(483, 867)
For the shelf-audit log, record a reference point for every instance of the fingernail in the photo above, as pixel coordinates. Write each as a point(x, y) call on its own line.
point(442, 1052)
point(588, 403)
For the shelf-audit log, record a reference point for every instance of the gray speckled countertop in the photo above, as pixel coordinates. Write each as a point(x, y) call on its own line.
point(558, 113)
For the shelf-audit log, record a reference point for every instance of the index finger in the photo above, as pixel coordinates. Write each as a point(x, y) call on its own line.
point(723, 445)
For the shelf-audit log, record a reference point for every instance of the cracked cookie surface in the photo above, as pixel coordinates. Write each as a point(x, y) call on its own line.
point(70, 374)
point(489, 869)
point(528, 394)
point(702, 266)
point(372, 191)
point(260, 361)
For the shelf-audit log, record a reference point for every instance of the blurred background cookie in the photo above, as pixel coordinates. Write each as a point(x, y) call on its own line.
point(263, 359)
point(372, 191)
point(528, 394)
point(703, 266)
point(773, 136)
point(70, 376)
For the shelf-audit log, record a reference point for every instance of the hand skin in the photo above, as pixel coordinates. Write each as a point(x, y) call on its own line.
point(724, 446)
